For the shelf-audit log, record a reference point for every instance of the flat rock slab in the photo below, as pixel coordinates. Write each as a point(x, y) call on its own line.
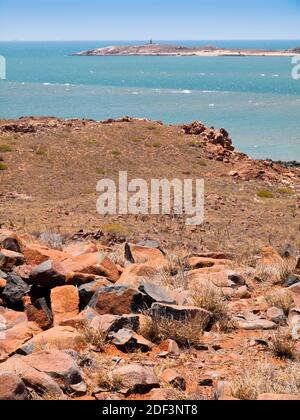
point(58, 337)
point(57, 364)
point(128, 341)
point(182, 313)
point(135, 379)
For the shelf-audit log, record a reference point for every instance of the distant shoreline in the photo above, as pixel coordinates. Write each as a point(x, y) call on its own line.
point(175, 51)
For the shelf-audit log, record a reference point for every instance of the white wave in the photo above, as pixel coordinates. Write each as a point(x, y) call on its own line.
point(275, 75)
point(46, 84)
point(211, 105)
point(263, 75)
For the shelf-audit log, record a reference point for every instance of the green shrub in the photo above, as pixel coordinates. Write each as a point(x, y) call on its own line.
point(265, 194)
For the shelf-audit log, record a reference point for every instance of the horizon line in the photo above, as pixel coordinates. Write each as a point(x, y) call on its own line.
point(146, 39)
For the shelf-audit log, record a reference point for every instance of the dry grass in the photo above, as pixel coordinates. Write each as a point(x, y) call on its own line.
point(187, 333)
point(5, 148)
point(266, 379)
point(281, 300)
point(212, 300)
point(95, 337)
point(111, 383)
point(265, 194)
point(275, 273)
point(282, 345)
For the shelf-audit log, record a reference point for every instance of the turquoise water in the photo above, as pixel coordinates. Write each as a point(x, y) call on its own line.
point(254, 98)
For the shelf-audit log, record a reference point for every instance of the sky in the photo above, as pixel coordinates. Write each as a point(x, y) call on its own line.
point(40, 20)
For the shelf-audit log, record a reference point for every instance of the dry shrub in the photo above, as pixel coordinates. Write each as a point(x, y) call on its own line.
point(282, 345)
point(281, 300)
point(187, 333)
point(111, 383)
point(265, 379)
point(212, 300)
point(272, 268)
point(95, 337)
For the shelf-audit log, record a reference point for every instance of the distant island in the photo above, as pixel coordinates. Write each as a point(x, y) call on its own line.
point(174, 50)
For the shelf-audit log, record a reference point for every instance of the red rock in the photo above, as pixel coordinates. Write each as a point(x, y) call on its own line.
point(160, 395)
point(94, 263)
point(12, 388)
point(172, 377)
point(141, 254)
point(34, 379)
point(169, 346)
point(64, 303)
point(23, 271)
point(79, 248)
point(9, 240)
point(36, 254)
point(134, 275)
point(14, 331)
point(8, 259)
point(58, 365)
point(87, 291)
point(2, 283)
point(117, 300)
point(278, 397)
point(135, 379)
point(83, 319)
point(128, 341)
point(48, 274)
point(60, 337)
point(114, 323)
point(38, 312)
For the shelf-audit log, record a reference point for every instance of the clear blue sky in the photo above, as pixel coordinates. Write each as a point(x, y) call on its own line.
point(142, 19)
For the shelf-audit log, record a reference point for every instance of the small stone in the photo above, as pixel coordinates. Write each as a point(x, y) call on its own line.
point(294, 323)
point(173, 378)
point(128, 341)
point(276, 315)
point(278, 397)
point(291, 281)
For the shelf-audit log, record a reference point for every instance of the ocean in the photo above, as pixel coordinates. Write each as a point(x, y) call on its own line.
point(254, 98)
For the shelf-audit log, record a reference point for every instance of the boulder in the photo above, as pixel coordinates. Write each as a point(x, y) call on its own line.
point(48, 274)
point(36, 254)
point(225, 278)
point(128, 341)
point(156, 293)
point(114, 323)
point(291, 281)
point(64, 303)
point(60, 337)
point(96, 263)
point(172, 377)
point(251, 322)
point(276, 315)
point(9, 240)
point(14, 331)
point(15, 290)
point(135, 379)
point(140, 254)
point(117, 300)
point(12, 388)
point(76, 249)
point(83, 319)
point(182, 313)
point(169, 347)
point(40, 382)
point(135, 274)
point(9, 259)
point(37, 311)
point(271, 264)
point(57, 364)
point(87, 291)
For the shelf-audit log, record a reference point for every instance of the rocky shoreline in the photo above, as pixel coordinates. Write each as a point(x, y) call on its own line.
point(173, 50)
